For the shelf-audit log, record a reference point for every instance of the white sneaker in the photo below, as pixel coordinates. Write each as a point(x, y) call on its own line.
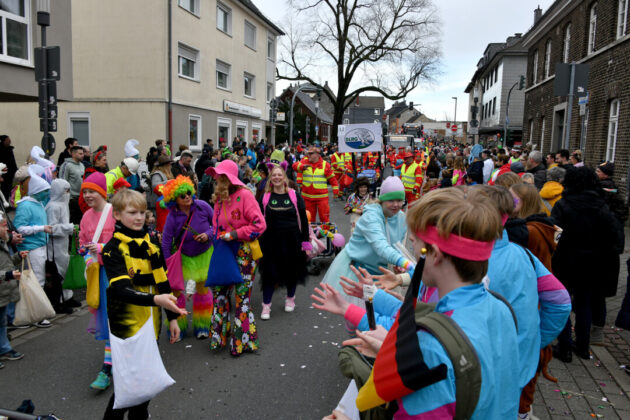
point(289, 304)
point(43, 324)
point(528, 416)
point(266, 312)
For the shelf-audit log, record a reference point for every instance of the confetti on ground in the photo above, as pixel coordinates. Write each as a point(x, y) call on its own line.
point(284, 374)
point(598, 363)
point(315, 326)
point(189, 346)
point(324, 342)
point(281, 364)
point(310, 345)
point(604, 399)
point(303, 367)
point(602, 384)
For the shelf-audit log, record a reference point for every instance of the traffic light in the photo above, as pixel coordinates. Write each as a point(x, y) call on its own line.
point(410, 106)
point(521, 83)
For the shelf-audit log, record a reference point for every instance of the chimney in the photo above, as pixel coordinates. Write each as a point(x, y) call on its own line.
point(537, 14)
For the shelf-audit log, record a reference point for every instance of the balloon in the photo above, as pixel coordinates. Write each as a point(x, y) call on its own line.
point(308, 216)
point(338, 240)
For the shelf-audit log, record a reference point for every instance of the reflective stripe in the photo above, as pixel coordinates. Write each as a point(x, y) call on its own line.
point(409, 176)
point(306, 195)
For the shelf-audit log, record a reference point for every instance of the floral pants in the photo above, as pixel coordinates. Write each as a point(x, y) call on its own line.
point(243, 336)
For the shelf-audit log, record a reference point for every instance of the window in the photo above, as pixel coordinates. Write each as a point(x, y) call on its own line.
point(592, 29)
point(191, 5)
point(188, 62)
point(79, 127)
point(494, 105)
point(249, 85)
point(250, 35)
point(224, 130)
point(270, 48)
point(622, 18)
point(613, 121)
point(241, 130)
point(346, 121)
point(566, 43)
point(224, 18)
point(542, 133)
point(531, 131)
point(194, 132)
point(377, 111)
point(15, 31)
point(223, 75)
point(535, 68)
point(346, 111)
point(269, 92)
point(547, 58)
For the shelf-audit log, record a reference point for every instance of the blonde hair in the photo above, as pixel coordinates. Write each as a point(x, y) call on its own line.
point(459, 163)
point(531, 203)
point(269, 186)
point(128, 198)
point(165, 168)
point(452, 211)
point(508, 179)
point(497, 195)
point(224, 189)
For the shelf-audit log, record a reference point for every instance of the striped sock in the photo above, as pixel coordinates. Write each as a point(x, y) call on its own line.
point(108, 354)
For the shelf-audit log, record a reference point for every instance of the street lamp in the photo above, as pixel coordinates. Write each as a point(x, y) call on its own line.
point(455, 116)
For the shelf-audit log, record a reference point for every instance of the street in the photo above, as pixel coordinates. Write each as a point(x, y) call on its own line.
point(294, 375)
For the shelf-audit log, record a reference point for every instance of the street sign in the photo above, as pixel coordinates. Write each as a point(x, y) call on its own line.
point(454, 128)
point(448, 125)
point(51, 95)
point(52, 125)
point(280, 116)
point(52, 111)
point(474, 123)
point(52, 63)
point(48, 144)
point(583, 100)
point(473, 130)
point(562, 79)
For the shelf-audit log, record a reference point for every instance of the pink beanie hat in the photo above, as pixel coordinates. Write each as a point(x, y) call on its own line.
point(392, 189)
point(96, 182)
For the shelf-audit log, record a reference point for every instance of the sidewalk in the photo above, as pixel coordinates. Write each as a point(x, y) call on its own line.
point(595, 388)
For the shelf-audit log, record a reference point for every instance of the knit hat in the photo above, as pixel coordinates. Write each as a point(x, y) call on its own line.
point(96, 182)
point(392, 189)
point(607, 167)
point(517, 167)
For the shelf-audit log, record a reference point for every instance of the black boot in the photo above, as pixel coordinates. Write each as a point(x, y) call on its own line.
point(562, 354)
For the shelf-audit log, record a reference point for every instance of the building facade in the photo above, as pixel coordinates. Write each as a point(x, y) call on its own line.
point(310, 121)
point(184, 70)
point(582, 32)
point(364, 110)
point(498, 71)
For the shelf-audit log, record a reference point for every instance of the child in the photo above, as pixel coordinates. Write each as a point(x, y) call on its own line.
point(9, 291)
point(356, 201)
point(133, 281)
point(149, 222)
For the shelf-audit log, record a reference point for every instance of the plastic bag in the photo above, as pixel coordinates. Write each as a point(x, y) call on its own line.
point(139, 374)
point(75, 274)
point(33, 305)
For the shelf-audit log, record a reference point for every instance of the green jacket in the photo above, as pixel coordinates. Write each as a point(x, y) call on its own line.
point(111, 177)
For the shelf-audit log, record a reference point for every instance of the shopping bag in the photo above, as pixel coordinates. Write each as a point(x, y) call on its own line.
point(53, 281)
point(256, 251)
point(92, 296)
point(223, 269)
point(33, 305)
point(139, 374)
point(75, 275)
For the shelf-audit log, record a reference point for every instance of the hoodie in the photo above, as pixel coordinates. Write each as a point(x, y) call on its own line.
point(72, 171)
point(551, 192)
point(59, 218)
point(30, 216)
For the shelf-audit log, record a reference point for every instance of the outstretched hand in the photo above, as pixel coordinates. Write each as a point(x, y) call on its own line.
point(368, 342)
point(354, 288)
point(329, 300)
point(388, 280)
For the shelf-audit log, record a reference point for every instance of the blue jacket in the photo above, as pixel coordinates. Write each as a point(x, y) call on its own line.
point(511, 274)
point(489, 325)
point(30, 219)
point(369, 246)
point(252, 162)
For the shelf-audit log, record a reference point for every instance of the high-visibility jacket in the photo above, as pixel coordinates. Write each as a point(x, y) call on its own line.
point(315, 179)
point(111, 177)
point(338, 162)
point(411, 176)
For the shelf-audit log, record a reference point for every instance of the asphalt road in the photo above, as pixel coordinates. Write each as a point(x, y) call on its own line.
point(294, 375)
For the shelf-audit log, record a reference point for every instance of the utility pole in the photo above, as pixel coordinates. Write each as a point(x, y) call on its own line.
point(299, 88)
point(521, 86)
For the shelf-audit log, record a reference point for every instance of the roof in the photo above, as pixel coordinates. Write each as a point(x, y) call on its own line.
point(252, 7)
point(310, 105)
point(419, 118)
point(368, 102)
point(397, 108)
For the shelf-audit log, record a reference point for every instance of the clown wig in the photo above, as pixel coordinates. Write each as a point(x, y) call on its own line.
point(174, 188)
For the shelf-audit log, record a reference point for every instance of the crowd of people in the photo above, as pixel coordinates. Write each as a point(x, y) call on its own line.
point(487, 237)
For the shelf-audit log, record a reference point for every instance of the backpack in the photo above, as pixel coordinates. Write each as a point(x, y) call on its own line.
point(460, 350)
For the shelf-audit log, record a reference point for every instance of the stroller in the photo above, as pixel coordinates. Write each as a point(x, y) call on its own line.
point(321, 236)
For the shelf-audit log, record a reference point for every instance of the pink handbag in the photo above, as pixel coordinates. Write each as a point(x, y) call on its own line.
point(174, 271)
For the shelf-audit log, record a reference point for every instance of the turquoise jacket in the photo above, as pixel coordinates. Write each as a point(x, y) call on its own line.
point(30, 220)
point(369, 245)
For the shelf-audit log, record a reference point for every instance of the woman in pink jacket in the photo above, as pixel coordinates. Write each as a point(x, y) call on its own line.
point(237, 217)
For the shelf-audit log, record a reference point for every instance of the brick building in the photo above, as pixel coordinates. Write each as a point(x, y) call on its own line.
point(583, 32)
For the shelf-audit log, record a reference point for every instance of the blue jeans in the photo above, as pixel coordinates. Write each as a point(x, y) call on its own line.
point(11, 312)
point(5, 346)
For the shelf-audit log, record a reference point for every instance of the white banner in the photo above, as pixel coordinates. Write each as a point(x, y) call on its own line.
point(360, 138)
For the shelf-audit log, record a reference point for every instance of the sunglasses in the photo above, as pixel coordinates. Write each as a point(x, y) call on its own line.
point(183, 196)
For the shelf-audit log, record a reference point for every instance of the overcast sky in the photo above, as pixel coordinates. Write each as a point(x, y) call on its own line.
point(467, 28)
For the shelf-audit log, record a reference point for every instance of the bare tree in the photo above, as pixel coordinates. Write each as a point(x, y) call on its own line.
point(380, 46)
